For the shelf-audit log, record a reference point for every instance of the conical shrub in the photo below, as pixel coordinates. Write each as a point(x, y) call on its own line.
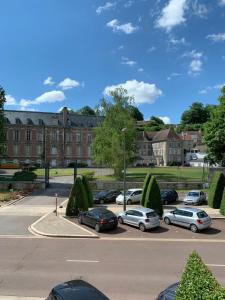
point(222, 205)
point(153, 197)
point(216, 190)
point(198, 282)
point(145, 187)
point(88, 191)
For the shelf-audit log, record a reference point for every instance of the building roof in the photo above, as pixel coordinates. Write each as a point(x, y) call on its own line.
point(159, 136)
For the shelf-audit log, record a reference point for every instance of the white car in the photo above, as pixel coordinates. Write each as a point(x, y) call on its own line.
point(195, 197)
point(131, 196)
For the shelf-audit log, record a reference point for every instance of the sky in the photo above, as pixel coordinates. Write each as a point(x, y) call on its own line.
point(167, 54)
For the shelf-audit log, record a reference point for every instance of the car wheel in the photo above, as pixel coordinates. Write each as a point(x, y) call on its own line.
point(101, 201)
point(120, 220)
point(167, 221)
point(193, 228)
point(142, 227)
point(97, 228)
point(80, 220)
point(129, 202)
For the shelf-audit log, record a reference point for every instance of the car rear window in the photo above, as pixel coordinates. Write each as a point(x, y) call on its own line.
point(193, 194)
point(151, 214)
point(202, 214)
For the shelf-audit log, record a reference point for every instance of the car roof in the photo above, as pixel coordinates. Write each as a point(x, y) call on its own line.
point(101, 210)
point(194, 191)
point(134, 190)
point(143, 209)
point(191, 209)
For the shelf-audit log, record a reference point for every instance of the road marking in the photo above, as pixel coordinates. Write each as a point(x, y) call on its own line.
point(82, 261)
point(214, 265)
point(20, 298)
point(162, 240)
point(8, 236)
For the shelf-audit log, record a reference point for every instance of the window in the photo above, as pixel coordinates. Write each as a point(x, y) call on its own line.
point(130, 212)
point(15, 149)
point(54, 150)
point(28, 135)
point(16, 135)
point(68, 137)
point(187, 213)
point(78, 150)
point(137, 213)
point(78, 137)
point(89, 138)
point(202, 215)
point(89, 151)
point(39, 149)
point(40, 136)
point(68, 150)
point(27, 150)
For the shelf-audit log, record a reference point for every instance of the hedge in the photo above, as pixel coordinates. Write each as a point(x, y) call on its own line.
point(216, 190)
point(222, 205)
point(145, 187)
point(87, 190)
point(153, 197)
point(24, 176)
point(198, 282)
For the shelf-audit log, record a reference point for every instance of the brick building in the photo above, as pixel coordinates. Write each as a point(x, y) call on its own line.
point(54, 138)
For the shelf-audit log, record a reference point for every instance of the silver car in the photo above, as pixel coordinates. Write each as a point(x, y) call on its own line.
point(193, 218)
point(195, 197)
point(131, 196)
point(144, 218)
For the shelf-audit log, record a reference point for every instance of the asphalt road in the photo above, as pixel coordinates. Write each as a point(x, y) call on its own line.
point(121, 269)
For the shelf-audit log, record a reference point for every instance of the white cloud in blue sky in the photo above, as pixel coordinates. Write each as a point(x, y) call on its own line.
point(166, 120)
point(10, 100)
point(68, 84)
point(216, 37)
point(106, 6)
point(48, 81)
point(222, 2)
point(47, 97)
point(127, 28)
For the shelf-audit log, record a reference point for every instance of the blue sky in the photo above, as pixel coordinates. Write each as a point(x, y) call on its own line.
point(71, 53)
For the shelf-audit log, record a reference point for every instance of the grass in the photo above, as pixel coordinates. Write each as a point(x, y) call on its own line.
point(7, 195)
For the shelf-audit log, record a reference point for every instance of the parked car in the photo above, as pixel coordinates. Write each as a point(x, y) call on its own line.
point(143, 218)
point(195, 197)
point(168, 196)
point(193, 218)
point(169, 293)
point(106, 196)
point(131, 196)
point(98, 218)
point(76, 289)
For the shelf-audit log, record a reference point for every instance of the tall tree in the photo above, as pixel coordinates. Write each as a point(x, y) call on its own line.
point(135, 113)
point(214, 132)
point(108, 146)
point(154, 124)
point(196, 114)
point(2, 122)
point(86, 110)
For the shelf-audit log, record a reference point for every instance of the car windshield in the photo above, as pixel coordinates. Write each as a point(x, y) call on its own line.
point(103, 193)
point(151, 214)
point(128, 193)
point(202, 214)
point(193, 194)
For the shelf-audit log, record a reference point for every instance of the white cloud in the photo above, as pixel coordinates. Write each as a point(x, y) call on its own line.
point(199, 9)
point(151, 49)
point(141, 91)
point(10, 100)
point(140, 70)
point(129, 3)
point(121, 47)
point(48, 81)
point(181, 41)
point(48, 97)
point(172, 14)
point(219, 37)
point(127, 28)
point(193, 54)
point(210, 88)
point(173, 75)
point(127, 61)
point(68, 83)
point(107, 6)
point(166, 120)
point(222, 2)
point(195, 67)
point(27, 108)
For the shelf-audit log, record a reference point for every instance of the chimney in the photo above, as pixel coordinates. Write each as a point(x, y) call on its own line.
point(65, 115)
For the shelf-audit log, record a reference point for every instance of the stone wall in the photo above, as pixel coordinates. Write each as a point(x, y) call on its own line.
point(22, 185)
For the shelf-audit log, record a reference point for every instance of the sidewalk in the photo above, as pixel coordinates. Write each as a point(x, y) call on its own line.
point(58, 226)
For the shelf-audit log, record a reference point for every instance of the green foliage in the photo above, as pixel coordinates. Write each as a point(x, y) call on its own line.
point(188, 127)
point(216, 190)
point(2, 122)
point(222, 205)
point(145, 188)
point(108, 145)
point(86, 110)
point(78, 200)
point(81, 164)
point(198, 282)
point(135, 113)
point(154, 124)
point(87, 190)
point(153, 197)
point(24, 176)
point(196, 114)
point(214, 132)
point(88, 174)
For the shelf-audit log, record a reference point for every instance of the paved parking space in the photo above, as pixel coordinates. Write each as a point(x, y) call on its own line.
point(217, 231)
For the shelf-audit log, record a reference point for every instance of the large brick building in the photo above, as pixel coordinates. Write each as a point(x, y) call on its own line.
point(54, 138)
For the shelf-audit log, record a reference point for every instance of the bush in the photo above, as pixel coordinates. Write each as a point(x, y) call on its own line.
point(24, 176)
point(216, 190)
point(77, 164)
point(198, 282)
point(153, 197)
point(89, 175)
point(145, 187)
point(222, 205)
point(88, 191)
point(78, 199)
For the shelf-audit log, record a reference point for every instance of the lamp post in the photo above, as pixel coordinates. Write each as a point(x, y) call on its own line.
point(124, 168)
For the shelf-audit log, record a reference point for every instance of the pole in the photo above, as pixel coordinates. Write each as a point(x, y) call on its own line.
point(75, 171)
point(124, 169)
point(56, 203)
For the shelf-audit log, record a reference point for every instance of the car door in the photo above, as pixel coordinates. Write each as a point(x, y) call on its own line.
point(90, 219)
point(203, 198)
point(136, 197)
point(129, 217)
point(178, 217)
point(187, 218)
point(137, 215)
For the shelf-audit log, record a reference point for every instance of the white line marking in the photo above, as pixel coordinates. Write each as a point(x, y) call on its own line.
point(214, 265)
point(82, 261)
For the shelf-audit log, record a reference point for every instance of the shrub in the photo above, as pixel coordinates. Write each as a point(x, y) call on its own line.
point(216, 190)
point(78, 199)
point(24, 176)
point(153, 197)
point(88, 191)
point(77, 164)
point(145, 187)
point(88, 174)
point(198, 282)
point(222, 205)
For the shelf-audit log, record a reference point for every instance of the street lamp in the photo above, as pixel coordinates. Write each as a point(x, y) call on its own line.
point(124, 168)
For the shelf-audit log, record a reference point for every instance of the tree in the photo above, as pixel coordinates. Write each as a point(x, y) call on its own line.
point(222, 205)
point(216, 190)
point(153, 197)
point(214, 132)
point(154, 124)
point(108, 145)
point(87, 190)
point(145, 188)
point(2, 122)
point(198, 282)
point(196, 114)
point(86, 110)
point(135, 113)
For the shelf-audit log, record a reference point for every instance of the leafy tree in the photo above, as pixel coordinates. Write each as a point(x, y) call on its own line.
point(87, 190)
point(198, 282)
point(86, 110)
point(135, 113)
point(108, 145)
point(196, 114)
point(214, 132)
point(145, 188)
point(222, 205)
point(2, 122)
point(216, 190)
point(153, 197)
point(154, 124)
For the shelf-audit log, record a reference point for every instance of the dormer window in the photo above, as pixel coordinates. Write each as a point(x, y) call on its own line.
point(18, 121)
point(40, 122)
point(29, 121)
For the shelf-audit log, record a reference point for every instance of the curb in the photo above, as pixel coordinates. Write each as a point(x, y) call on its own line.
point(14, 201)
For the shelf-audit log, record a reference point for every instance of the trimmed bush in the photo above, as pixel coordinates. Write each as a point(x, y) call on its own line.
point(153, 197)
point(78, 199)
point(222, 205)
point(24, 176)
point(145, 187)
point(88, 191)
point(78, 164)
point(216, 190)
point(197, 282)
